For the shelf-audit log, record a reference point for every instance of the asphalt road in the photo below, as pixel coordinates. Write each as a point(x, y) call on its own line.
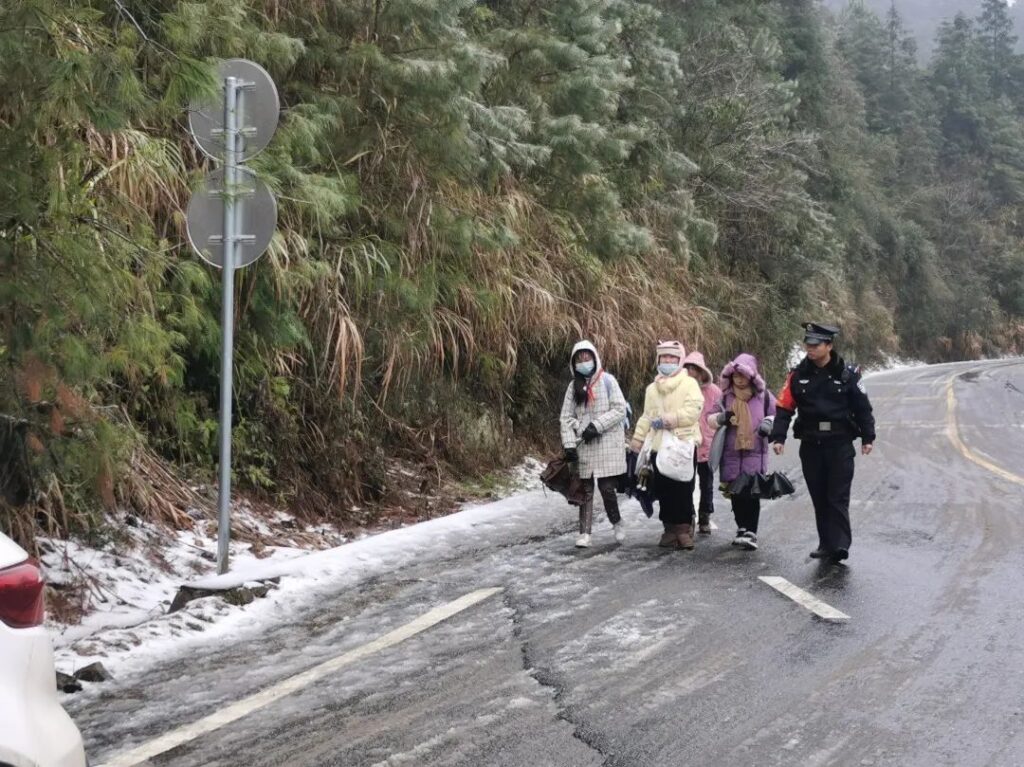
point(633, 655)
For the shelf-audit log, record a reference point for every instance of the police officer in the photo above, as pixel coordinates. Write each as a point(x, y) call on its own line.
point(832, 409)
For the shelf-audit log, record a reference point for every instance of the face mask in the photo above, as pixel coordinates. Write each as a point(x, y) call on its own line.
point(668, 368)
point(585, 368)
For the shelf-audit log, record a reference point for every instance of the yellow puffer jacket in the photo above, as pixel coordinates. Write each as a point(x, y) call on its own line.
point(678, 401)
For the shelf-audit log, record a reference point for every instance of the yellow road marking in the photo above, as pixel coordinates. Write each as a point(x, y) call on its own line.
point(953, 432)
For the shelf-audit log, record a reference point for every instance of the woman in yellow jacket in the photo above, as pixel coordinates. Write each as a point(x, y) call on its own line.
point(674, 401)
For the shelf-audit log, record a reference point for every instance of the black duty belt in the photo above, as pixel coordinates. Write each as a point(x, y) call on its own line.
point(825, 428)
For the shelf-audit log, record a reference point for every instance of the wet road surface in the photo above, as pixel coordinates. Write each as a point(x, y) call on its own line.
point(634, 655)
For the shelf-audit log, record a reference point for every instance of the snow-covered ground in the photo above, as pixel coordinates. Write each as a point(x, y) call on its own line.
point(891, 363)
point(888, 363)
point(131, 584)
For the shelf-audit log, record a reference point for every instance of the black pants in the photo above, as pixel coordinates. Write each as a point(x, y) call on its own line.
point(606, 486)
point(706, 477)
point(828, 471)
point(675, 499)
point(747, 512)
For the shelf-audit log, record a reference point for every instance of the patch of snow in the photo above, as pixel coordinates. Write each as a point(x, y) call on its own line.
point(526, 476)
point(796, 353)
point(132, 581)
point(131, 584)
point(891, 363)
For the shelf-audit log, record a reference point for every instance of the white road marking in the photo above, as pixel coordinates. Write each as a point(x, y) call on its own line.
point(804, 599)
point(246, 706)
point(713, 525)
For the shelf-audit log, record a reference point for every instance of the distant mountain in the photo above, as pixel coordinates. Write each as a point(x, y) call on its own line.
point(925, 16)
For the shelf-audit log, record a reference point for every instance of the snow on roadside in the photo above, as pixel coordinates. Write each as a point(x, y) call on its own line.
point(891, 364)
point(132, 584)
point(888, 364)
point(126, 583)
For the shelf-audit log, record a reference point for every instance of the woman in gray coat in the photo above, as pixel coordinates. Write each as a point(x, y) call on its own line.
point(593, 435)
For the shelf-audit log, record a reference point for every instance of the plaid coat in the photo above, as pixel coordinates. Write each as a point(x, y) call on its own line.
point(606, 455)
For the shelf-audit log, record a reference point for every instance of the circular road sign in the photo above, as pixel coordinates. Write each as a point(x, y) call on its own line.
point(255, 217)
point(259, 111)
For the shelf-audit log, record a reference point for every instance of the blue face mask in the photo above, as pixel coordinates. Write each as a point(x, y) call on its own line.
point(585, 368)
point(668, 368)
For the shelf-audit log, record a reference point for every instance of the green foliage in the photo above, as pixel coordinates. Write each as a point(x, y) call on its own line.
point(465, 189)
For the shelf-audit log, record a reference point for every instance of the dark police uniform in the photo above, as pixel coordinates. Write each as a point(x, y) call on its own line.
point(832, 409)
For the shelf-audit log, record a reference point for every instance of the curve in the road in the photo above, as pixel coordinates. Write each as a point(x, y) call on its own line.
point(953, 432)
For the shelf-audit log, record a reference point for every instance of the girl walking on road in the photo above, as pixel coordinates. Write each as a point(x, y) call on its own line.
point(672, 404)
point(698, 370)
point(593, 435)
point(747, 411)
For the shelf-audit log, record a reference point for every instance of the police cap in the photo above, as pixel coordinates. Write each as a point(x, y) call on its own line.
point(816, 334)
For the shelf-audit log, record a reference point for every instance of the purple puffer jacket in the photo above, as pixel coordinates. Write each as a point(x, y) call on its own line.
point(762, 405)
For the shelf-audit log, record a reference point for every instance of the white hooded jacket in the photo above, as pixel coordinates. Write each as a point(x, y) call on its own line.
point(606, 409)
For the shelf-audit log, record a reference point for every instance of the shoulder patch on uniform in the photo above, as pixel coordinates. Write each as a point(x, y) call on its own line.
point(862, 387)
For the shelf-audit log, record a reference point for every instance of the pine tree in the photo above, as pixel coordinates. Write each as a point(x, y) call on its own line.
point(960, 86)
point(997, 41)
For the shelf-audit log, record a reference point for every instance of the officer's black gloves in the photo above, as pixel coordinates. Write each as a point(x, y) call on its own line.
point(590, 433)
point(570, 454)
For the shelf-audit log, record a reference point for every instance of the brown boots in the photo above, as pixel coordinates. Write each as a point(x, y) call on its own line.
point(668, 538)
point(677, 537)
point(684, 533)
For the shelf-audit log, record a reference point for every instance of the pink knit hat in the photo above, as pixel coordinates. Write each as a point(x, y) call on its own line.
point(674, 348)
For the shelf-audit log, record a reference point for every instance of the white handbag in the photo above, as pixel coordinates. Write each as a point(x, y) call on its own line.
point(675, 457)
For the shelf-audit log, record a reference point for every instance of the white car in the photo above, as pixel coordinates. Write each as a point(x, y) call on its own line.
point(34, 730)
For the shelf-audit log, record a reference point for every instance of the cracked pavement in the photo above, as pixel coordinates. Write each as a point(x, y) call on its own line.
point(635, 656)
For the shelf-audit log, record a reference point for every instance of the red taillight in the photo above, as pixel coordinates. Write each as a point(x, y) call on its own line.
point(21, 595)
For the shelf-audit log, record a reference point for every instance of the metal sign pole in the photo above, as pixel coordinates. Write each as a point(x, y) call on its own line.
point(227, 320)
point(231, 220)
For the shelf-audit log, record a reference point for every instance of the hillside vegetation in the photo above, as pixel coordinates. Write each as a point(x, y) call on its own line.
point(466, 188)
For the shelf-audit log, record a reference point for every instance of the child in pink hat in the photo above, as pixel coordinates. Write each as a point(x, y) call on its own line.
point(697, 369)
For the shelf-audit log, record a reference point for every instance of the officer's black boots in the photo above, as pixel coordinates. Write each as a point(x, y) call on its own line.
point(835, 556)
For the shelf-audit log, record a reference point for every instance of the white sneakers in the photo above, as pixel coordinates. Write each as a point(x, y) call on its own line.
point(619, 530)
point(745, 540)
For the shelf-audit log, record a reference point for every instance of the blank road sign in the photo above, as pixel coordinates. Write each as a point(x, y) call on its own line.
point(255, 217)
point(259, 112)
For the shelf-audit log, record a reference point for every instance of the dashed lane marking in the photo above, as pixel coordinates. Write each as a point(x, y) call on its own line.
point(804, 599)
point(295, 683)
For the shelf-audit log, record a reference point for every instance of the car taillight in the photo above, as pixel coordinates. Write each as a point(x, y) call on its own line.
point(21, 595)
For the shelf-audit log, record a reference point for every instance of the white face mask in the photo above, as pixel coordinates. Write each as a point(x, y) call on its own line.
point(585, 368)
point(668, 368)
